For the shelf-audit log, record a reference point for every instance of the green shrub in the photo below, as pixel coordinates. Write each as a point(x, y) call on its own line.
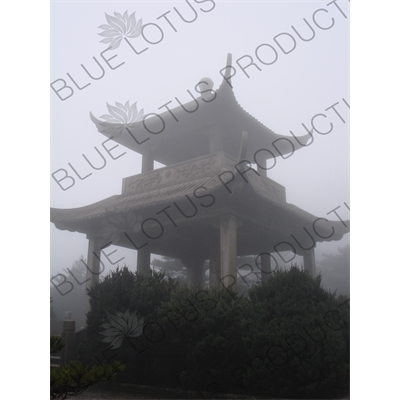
point(74, 378)
point(297, 338)
point(288, 338)
point(123, 290)
point(203, 329)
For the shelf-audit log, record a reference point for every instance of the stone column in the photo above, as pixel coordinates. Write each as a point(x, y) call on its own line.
point(195, 273)
point(143, 261)
point(68, 352)
point(265, 266)
point(216, 142)
point(228, 250)
point(215, 267)
point(190, 272)
point(261, 167)
point(93, 267)
point(309, 262)
point(147, 162)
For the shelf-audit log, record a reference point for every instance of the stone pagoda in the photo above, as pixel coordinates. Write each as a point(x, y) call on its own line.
point(207, 203)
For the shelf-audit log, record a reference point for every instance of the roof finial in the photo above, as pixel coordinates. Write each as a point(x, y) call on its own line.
point(227, 74)
point(228, 63)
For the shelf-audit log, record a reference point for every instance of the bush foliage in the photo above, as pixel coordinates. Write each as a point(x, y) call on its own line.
point(288, 338)
point(74, 378)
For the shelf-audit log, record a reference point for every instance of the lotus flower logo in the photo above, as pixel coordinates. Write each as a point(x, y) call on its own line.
point(118, 222)
point(121, 116)
point(119, 27)
point(121, 326)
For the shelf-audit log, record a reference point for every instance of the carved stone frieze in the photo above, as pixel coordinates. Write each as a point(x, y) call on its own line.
point(177, 174)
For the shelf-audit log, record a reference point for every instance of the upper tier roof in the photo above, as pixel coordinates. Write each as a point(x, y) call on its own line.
point(186, 135)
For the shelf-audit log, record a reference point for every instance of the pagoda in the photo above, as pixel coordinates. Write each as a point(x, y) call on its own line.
point(207, 203)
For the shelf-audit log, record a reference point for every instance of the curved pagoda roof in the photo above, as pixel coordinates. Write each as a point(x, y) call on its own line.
point(186, 135)
point(260, 204)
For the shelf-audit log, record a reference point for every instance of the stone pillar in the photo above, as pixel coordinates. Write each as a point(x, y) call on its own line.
point(190, 272)
point(143, 261)
point(228, 250)
point(216, 142)
point(261, 166)
point(68, 352)
point(147, 162)
point(309, 262)
point(93, 267)
point(215, 266)
point(265, 266)
point(195, 273)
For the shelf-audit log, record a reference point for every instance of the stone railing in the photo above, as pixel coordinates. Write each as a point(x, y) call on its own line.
point(210, 165)
point(187, 171)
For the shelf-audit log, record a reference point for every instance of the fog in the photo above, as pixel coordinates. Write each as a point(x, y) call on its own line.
point(311, 79)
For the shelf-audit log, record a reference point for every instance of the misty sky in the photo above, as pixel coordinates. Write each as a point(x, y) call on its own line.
point(291, 91)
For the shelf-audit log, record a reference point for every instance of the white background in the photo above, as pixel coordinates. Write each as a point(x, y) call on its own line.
point(374, 165)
